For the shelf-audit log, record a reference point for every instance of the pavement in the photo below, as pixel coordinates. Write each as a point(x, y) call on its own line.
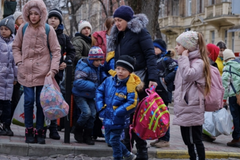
point(177, 150)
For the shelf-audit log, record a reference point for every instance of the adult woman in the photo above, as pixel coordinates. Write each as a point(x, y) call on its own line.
point(130, 37)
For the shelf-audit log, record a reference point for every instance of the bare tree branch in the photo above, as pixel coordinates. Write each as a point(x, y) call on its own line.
point(104, 7)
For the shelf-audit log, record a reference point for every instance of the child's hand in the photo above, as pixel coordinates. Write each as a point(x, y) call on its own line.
point(62, 66)
point(185, 53)
point(50, 73)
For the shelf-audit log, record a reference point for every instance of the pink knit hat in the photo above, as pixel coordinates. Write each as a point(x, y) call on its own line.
point(188, 40)
point(36, 9)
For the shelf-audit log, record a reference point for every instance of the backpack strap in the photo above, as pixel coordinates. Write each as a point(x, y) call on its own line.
point(24, 28)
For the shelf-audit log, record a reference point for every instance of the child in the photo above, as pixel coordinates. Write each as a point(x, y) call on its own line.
point(8, 73)
point(167, 68)
point(193, 66)
point(32, 56)
point(116, 99)
point(87, 77)
point(231, 81)
point(18, 18)
point(55, 20)
point(219, 61)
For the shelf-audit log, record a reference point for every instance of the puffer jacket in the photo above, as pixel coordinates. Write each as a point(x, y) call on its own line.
point(86, 80)
point(136, 42)
point(231, 80)
point(8, 69)
point(219, 62)
point(116, 100)
point(188, 100)
point(32, 49)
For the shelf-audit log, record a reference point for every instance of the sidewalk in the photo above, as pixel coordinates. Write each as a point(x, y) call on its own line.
point(16, 146)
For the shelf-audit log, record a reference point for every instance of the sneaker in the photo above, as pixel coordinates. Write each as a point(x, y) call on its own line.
point(8, 130)
point(162, 143)
point(2, 132)
point(130, 157)
point(208, 138)
point(234, 143)
point(154, 142)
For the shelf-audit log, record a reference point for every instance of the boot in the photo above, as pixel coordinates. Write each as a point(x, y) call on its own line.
point(8, 130)
point(78, 133)
point(142, 154)
point(234, 143)
point(44, 131)
point(54, 134)
point(87, 136)
point(29, 135)
point(40, 136)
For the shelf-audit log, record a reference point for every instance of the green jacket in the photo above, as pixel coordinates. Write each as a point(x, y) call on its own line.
point(231, 80)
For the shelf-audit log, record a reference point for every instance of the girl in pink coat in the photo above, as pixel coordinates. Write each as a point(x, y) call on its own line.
point(31, 55)
point(193, 66)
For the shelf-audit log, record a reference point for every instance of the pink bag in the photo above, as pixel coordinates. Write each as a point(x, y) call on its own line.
point(51, 99)
point(151, 120)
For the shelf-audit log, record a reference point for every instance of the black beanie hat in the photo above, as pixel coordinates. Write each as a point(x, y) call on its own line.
point(127, 62)
point(160, 44)
point(57, 13)
point(124, 12)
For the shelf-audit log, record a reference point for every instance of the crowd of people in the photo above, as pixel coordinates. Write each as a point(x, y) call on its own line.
point(111, 70)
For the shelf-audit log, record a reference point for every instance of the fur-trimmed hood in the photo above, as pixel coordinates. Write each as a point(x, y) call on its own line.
point(138, 22)
point(35, 3)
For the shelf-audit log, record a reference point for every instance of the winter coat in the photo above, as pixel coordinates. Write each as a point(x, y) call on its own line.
point(32, 49)
point(66, 47)
point(8, 69)
point(167, 68)
point(220, 65)
point(82, 45)
point(231, 80)
point(188, 100)
point(101, 41)
point(86, 79)
point(116, 100)
point(109, 63)
point(136, 42)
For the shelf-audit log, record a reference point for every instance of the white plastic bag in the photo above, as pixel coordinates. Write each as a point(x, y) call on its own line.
point(223, 121)
point(209, 126)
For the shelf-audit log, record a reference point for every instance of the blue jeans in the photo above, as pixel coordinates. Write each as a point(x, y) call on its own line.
point(29, 97)
point(112, 137)
point(235, 111)
point(5, 106)
point(88, 111)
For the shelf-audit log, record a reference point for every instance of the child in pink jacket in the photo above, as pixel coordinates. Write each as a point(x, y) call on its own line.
point(31, 55)
point(193, 66)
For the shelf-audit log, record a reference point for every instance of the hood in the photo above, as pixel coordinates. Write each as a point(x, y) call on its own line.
point(213, 51)
point(136, 24)
point(35, 3)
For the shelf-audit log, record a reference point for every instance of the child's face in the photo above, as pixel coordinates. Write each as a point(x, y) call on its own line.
point(157, 50)
point(97, 63)
point(34, 17)
point(5, 32)
point(122, 73)
point(221, 52)
point(179, 48)
point(19, 21)
point(86, 31)
point(54, 22)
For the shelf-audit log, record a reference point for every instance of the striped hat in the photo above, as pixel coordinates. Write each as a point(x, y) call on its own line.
point(95, 53)
point(126, 62)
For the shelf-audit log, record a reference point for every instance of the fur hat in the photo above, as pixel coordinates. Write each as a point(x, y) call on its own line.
point(16, 15)
point(83, 24)
point(9, 23)
point(124, 12)
point(127, 62)
point(95, 53)
point(188, 40)
point(228, 53)
point(56, 13)
point(159, 43)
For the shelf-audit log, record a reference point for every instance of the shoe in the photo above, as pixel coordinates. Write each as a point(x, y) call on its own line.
point(8, 130)
point(142, 154)
point(154, 142)
point(109, 145)
point(87, 138)
point(2, 132)
point(40, 136)
point(208, 138)
point(54, 134)
point(78, 133)
point(130, 157)
point(234, 143)
point(162, 143)
point(29, 135)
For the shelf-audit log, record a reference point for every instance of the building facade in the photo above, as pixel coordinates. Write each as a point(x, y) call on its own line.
point(218, 20)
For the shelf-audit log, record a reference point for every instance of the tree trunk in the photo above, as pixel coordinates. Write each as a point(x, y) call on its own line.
point(136, 5)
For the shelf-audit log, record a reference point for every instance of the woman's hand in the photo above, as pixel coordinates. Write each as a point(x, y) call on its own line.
point(152, 83)
point(185, 53)
point(50, 73)
point(62, 66)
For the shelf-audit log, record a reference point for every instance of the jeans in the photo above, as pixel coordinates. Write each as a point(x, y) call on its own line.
point(29, 97)
point(88, 111)
point(192, 137)
point(5, 106)
point(235, 111)
point(112, 137)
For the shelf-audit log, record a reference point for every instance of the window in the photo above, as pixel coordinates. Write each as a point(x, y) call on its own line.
point(189, 7)
point(233, 35)
point(162, 9)
point(175, 7)
point(212, 37)
point(200, 6)
point(211, 2)
point(225, 37)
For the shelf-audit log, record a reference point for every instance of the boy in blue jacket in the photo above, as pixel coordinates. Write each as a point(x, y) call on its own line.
point(86, 81)
point(116, 99)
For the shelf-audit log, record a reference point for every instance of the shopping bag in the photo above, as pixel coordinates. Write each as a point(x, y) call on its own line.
point(209, 126)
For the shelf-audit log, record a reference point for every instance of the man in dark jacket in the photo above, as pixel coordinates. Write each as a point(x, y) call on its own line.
point(67, 52)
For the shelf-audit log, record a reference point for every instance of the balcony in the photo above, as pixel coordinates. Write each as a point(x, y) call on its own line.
point(169, 24)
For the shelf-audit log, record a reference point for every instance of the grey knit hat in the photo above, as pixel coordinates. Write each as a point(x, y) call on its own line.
point(16, 15)
point(9, 22)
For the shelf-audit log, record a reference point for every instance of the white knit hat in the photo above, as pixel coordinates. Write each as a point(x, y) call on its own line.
point(16, 15)
point(83, 24)
point(189, 40)
point(228, 53)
